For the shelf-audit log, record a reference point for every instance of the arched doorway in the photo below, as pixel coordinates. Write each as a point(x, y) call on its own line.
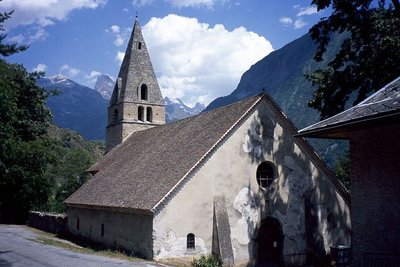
point(270, 243)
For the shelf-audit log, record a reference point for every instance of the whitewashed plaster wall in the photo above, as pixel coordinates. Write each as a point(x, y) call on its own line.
point(231, 172)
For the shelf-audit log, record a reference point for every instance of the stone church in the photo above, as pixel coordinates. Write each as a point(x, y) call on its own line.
point(233, 181)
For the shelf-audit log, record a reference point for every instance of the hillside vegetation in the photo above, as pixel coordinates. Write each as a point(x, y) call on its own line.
point(71, 155)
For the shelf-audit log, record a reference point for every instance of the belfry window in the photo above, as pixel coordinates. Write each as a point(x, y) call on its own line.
point(265, 174)
point(140, 113)
point(149, 114)
point(143, 92)
point(190, 241)
point(139, 46)
point(115, 116)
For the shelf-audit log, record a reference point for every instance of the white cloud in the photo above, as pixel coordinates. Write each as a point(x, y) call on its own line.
point(119, 41)
point(286, 21)
point(120, 36)
point(91, 78)
point(93, 74)
point(299, 23)
point(20, 38)
point(40, 68)
point(310, 10)
point(120, 56)
point(41, 13)
point(125, 10)
point(193, 3)
point(196, 62)
point(44, 12)
point(142, 2)
point(115, 28)
point(68, 71)
point(183, 3)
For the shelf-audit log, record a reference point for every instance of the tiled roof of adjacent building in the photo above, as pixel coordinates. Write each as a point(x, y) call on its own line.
point(144, 168)
point(380, 108)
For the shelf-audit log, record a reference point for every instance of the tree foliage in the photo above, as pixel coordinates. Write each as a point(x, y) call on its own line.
point(342, 170)
point(24, 119)
point(71, 156)
point(368, 59)
point(37, 171)
point(8, 49)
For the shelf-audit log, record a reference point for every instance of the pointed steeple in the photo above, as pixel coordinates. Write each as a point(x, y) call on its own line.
point(136, 103)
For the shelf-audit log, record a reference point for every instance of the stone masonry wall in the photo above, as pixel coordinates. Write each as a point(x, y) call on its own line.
point(49, 222)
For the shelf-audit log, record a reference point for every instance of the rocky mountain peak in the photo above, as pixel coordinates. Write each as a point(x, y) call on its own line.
point(104, 85)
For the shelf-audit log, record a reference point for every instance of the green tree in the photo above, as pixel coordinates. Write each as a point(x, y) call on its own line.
point(68, 171)
point(24, 119)
point(369, 56)
point(8, 49)
point(342, 170)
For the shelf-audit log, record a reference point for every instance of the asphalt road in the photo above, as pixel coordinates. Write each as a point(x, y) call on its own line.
point(18, 248)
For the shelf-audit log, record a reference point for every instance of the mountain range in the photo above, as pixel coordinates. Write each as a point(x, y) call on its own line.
point(76, 107)
point(281, 74)
point(84, 109)
point(175, 109)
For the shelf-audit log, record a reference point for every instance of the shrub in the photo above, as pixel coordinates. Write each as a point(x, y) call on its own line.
point(207, 261)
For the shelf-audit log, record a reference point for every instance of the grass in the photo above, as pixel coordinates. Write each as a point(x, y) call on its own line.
point(54, 240)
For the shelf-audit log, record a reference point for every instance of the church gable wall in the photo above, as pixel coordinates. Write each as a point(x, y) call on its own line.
point(231, 172)
point(132, 232)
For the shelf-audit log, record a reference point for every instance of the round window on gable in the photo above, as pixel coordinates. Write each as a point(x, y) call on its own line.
point(265, 174)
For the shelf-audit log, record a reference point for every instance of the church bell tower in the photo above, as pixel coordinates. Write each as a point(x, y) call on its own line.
point(136, 103)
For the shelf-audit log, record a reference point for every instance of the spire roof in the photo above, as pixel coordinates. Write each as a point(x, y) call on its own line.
point(136, 69)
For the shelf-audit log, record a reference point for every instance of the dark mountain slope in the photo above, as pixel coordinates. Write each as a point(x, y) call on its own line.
point(77, 107)
point(281, 74)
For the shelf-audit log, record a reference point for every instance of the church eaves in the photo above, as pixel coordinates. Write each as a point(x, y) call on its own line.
point(150, 166)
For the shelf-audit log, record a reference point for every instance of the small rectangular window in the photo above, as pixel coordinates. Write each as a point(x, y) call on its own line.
point(102, 230)
point(77, 224)
point(190, 241)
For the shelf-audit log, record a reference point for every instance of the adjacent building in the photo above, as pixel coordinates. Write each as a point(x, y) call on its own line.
point(373, 128)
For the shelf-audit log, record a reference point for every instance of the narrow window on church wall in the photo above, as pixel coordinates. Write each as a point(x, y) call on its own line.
point(143, 92)
point(102, 230)
point(77, 224)
point(115, 116)
point(139, 45)
point(149, 114)
point(190, 241)
point(140, 113)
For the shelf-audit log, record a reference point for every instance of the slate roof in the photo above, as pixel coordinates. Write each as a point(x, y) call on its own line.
point(149, 166)
point(380, 108)
point(141, 171)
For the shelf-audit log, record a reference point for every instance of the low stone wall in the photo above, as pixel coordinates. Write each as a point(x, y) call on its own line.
point(49, 222)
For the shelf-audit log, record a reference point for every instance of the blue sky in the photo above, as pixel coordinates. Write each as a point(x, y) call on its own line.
point(199, 48)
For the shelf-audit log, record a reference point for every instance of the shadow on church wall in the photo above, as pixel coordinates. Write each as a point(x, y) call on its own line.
point(301, 198)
